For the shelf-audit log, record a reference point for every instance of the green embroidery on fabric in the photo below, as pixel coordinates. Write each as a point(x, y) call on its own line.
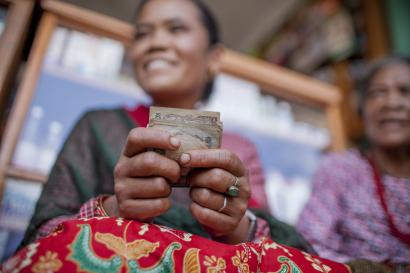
point(288, 266)
point(165, 264)
point(83, 255)
point(85, 258)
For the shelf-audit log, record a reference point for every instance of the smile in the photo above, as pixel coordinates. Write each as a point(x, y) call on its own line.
point(392, 124)
point(158, 64)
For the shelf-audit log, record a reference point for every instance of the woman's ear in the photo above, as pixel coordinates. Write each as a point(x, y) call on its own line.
point(214, 57)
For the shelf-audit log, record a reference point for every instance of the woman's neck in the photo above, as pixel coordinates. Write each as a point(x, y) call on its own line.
point(395, 162)
point(185, 103)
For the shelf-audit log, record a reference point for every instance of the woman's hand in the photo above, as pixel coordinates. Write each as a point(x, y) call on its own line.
point(221, 214)
point(141, 176)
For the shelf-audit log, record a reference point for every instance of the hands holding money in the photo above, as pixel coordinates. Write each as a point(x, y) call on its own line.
point(143, 181)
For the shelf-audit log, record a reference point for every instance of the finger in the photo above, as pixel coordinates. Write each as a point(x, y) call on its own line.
point(219, 223)
point(218, 180)
point(212, 200)
point(148, 164)
point(152, 187)
point(139, 139)
point(234, 207)
point(213, 158)
point(207, 198)
point(142, 209)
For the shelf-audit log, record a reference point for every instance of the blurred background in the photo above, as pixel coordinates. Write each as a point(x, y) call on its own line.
point(327, 40)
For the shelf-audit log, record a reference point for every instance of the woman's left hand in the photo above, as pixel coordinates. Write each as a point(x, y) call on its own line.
point(215, 171)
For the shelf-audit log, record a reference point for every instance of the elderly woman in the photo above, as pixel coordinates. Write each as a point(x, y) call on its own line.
point(360, 204)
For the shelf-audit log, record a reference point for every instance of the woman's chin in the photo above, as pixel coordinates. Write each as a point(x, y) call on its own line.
point(162, 91)
point(166, 97)
point(394, 142)
point(154, 85)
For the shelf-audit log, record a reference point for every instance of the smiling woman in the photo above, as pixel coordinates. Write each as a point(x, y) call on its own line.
point(108, 205)
point(108, 159)
point(175, 52)
point(387, 106)
point(371, 221)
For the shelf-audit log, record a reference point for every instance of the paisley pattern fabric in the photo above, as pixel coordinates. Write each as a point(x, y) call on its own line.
point(104, 244)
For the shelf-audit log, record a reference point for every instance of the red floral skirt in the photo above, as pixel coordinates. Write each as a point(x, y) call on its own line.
point(105, 245)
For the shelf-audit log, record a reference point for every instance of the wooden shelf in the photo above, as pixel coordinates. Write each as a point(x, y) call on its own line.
point(20, 173)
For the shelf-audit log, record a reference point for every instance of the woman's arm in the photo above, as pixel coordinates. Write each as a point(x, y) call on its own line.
point(320, 218)
point(83, 170)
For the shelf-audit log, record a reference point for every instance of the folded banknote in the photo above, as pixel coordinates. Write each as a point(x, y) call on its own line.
point(195, 129)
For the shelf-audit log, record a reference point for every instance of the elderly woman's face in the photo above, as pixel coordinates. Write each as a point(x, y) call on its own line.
point(171, 51)
point(387, 107)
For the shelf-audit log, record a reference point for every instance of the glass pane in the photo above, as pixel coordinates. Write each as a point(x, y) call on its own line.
point(3, 12)
point(17, 207)
point(81, 71)
point(289, 136)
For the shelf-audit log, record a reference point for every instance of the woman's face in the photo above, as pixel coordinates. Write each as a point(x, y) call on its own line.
point(171, 51)
point(387, 107)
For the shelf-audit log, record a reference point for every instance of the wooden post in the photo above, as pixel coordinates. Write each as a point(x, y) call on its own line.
point(25, 95)
point(336, 128)
point(11, 46)
point(378, 42)
point(351, 120)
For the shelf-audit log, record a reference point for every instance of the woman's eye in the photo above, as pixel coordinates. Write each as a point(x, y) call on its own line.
point(177, 28)
point(376, 92)
point(139, 34)
point(405, 90)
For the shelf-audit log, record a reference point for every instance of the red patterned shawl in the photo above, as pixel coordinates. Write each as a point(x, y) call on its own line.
point(103, 245)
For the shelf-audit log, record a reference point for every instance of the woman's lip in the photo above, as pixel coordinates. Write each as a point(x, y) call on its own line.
point(393, 123)
point(158, 64)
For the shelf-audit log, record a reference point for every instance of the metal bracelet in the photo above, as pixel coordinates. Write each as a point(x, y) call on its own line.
point(252, 225)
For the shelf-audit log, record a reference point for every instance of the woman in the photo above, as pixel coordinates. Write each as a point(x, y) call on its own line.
point(360, 205)
point(172, 55)
point(107, 156)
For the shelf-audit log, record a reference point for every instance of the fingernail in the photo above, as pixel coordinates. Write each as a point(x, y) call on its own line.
point(174, 142)
point(185, 158)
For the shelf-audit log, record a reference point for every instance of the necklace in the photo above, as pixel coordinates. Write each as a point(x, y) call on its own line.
point(380, 192)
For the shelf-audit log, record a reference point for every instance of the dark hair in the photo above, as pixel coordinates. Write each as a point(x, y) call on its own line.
point(212, 27)
point(373, 69)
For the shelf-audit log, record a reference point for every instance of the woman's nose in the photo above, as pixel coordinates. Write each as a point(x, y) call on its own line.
point(394, 97)
point(159, 39)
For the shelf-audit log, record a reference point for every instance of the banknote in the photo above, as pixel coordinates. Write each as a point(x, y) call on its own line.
point(195, 129)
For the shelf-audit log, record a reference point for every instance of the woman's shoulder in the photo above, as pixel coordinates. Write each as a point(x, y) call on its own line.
point(104, 117)
point(232, 137)
point(238, 143)
point(345, 166)
point(101, 113)
point(243, 147)
point(351, 158)
point(111, 121)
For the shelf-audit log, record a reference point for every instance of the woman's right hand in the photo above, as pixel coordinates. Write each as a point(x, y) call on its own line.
point(142, 176)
